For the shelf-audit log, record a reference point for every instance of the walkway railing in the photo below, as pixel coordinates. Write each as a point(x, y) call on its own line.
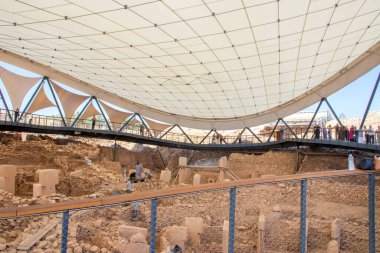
point(235, 194)
point(298, 132)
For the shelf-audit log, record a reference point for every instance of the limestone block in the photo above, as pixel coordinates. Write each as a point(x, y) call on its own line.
point(333, 247)
point(165, 175)
point(226, 225)
point(174, 235)
point(76, 173)
point(197, 179)
point(135, 247)
point(138, 238)
point(194, 224)
point(8, 172)
point(336, 229)
point(128, 231)
point(37, 190)
point(48, 177)
point(184, 175)
point(48, 189)
point(23, 136)
point(182, 161)
point(223, 162)
point(226, 180)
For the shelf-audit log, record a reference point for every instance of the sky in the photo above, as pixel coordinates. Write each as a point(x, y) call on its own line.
point(350, 101)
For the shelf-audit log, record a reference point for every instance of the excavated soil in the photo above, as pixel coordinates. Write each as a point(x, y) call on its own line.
point(96, 230)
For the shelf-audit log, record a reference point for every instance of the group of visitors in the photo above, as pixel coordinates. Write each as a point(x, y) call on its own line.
point(217, 138)
point(352, 134)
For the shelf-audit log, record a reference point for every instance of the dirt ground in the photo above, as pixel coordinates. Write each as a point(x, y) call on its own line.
point(96, 230)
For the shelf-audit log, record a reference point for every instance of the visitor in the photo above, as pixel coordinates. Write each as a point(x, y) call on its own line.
point(329, 131)
point(378, 135)
point(346, 133)
point(217, 138)
point(324, 132)
point(337, 129)
point(239, 138)
point(129, 186)
point(220, 139)
point(317, 132)
point(356, 134)
point(283, 133)
point(365, 134)
point(213, 138)
point(142, 129)
point(31, 119)
point(17, 112)
point(351, 134)
point(139, 170)
point(93, 122)
point(371, 135)
point(360, 136)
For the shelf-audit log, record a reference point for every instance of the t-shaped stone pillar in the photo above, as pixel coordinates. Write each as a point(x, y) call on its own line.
point(182, 161)
point(197, 179)
point(223, 162)
point(47, 179)
point(7, 178)
point(226, 232)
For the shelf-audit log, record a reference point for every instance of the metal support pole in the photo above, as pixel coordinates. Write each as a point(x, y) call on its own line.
point(231, 232)
point(332, 110)
point(81, 112)
point(204, 138)
point(6, 106)
point(254, 134)
point(239, 135)
point(104, 116)
point(180, 128)
point(153, 220)
point(56, 101)
point(65, 231)
point(370, 101)
point(303, 237)
point(312, 119)
point(126, 123)
point(162, 136)
point(145, 125)
point(31, 98)
point(291, 130)
point(274, 129)
point(371, 213)
point(220, 136)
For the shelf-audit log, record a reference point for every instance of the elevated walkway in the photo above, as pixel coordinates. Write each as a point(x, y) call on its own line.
point(136, 138)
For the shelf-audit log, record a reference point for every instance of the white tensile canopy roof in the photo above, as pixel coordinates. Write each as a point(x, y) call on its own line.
point(221, 64)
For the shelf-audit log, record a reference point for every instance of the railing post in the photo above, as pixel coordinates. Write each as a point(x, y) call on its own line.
point(303, 237)
point(65, 231)
point(371, 213)
point(153, 220)
point(231, 233)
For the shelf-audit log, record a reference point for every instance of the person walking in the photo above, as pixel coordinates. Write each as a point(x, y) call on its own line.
point(329, 131)
point(371, 135)
point(351, 134)
point(129, 185)
point(360, 136)
point(17, 112)
point(324, 132)
point(142, 129)
point(337, 129)
point(93, 122)
point(378, 135)
point(365, 134)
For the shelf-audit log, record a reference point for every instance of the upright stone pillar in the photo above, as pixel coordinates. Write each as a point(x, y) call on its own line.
point(184, 175)
point(197, 179)
point(261, 234)
point(226, 226)
point(8, 173)
point(182, 161)
point(223, 162)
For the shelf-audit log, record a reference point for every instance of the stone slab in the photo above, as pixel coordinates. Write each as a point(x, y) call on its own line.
point(182, 161)
point(8, 172)
point(48, 177)
point(128, 231)
point(223, 162)
point(166, 175)
point(197, 179)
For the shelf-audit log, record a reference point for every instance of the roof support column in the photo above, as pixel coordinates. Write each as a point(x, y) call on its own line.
point(370, 101)
point(56, 101)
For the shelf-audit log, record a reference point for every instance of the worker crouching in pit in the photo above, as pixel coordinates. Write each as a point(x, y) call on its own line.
point(139, 174)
